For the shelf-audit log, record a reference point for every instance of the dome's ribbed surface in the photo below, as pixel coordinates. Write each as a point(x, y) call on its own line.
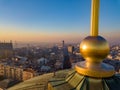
point(75, 81)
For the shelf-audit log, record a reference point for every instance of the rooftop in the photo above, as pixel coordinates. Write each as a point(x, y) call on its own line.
point(39, 82)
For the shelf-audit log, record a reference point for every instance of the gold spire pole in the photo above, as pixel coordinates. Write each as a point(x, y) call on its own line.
point(94, 49)
point(94, 18)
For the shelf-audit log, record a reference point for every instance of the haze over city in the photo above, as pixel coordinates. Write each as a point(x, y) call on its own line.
point(56, 20)
point(53, 44)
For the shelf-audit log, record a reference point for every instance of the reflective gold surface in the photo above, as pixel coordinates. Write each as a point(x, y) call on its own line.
point(94, 17)
point(103, 71)
point(94, 49)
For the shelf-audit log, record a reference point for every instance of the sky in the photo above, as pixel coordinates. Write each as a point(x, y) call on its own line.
point(56, 20)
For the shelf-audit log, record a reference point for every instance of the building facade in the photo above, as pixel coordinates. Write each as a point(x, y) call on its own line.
point(6, 49)
point(15, 73)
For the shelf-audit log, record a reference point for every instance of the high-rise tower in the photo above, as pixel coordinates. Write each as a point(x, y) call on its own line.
point(6, 49)
point(63, 43)
point(66, 64)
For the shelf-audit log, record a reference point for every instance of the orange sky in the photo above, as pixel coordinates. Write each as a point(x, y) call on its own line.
point(30, 35)
point(23, 35)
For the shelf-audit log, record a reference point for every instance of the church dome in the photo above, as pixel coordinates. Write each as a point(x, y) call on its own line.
point(76, 81)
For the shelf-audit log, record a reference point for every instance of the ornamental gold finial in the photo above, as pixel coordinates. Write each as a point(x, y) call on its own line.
point(94, 49)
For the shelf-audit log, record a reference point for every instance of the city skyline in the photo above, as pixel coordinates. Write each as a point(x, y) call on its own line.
point(55, 20)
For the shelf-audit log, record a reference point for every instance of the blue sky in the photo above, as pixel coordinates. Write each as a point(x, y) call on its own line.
point(56, 19)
